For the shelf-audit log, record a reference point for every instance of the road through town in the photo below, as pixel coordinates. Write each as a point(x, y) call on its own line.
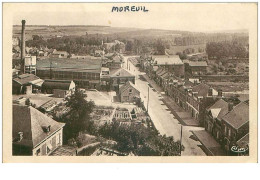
point(163, 120)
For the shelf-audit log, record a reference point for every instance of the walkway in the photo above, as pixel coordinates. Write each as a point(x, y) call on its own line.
point(183, 116)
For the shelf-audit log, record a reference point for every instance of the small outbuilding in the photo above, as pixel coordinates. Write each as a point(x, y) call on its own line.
point(59, 88)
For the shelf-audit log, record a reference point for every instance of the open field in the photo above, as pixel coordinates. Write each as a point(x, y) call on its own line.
point(229, 86)
point(52, 31)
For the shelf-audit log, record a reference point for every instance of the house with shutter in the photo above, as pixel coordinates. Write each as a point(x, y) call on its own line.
point(34, 133)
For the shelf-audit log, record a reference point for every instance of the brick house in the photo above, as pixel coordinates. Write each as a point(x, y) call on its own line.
point(172, 64)
point(34, 133)
point(214, 116)
point(120, 77)
point(196, 67)
point(235, 125)
point(128, 92)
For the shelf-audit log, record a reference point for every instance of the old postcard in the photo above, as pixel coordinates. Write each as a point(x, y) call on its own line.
point(130, 82)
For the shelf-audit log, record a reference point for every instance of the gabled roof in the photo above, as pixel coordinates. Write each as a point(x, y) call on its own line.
point(126, 86)
point(170, 60)
point(122, 73)
point(56, 84)
point(238, 116)
point(31, 123)
point(202, 89)
point(25, 78)
point(219, 109)
point(243, 97)
point(244, 141)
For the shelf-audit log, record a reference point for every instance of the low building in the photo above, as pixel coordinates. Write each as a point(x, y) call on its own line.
point(128, 92)
point(196, 67)
point(26, 84)
point(172, 64)
point(59, 88)
point(84, 72)
point(34, 133)
point(120, 77)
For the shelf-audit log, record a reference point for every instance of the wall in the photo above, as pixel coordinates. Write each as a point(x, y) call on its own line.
point(131, 97)
point(55, 141)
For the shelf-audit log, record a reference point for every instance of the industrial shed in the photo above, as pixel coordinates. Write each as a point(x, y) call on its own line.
point(59, 88)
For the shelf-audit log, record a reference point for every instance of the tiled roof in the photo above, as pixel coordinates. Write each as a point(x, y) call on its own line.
point(244, 141)
point(202, 89)
point(126, 86)
point(243, 97)
point(221, 107)
point(31, 122)
point(238, 116)
point(122, 73)
point(25, 78)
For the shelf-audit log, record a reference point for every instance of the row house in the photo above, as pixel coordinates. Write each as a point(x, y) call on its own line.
point(229, 125)
point(192, 97)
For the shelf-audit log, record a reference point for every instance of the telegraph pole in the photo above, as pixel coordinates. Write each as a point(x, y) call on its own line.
point(181, 140)
point(148, 99)
point(50, 69)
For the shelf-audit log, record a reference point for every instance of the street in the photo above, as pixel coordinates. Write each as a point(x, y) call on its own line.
point(163, 120)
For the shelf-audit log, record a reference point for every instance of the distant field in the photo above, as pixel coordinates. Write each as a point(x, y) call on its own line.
point(51, 31)
point(229, 86)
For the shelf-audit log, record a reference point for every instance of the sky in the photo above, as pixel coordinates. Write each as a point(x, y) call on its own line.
point(199, 17)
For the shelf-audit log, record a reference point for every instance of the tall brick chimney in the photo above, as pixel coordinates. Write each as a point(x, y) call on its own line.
point(23, 47)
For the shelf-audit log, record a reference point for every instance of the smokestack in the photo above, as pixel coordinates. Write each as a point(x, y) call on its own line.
point(23, 46)
point(220, 93)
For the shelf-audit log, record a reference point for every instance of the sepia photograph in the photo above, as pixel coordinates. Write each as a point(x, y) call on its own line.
point(139, 80)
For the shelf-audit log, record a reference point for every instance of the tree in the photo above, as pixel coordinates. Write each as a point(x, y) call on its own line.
point(78, 118)
point(140, 140)
point(160, 47)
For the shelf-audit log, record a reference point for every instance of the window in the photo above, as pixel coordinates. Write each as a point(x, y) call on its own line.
point(229, 132)
point(130, 91)
point(38, 152)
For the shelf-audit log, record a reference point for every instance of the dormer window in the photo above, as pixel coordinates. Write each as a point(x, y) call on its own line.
point(46, 128)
